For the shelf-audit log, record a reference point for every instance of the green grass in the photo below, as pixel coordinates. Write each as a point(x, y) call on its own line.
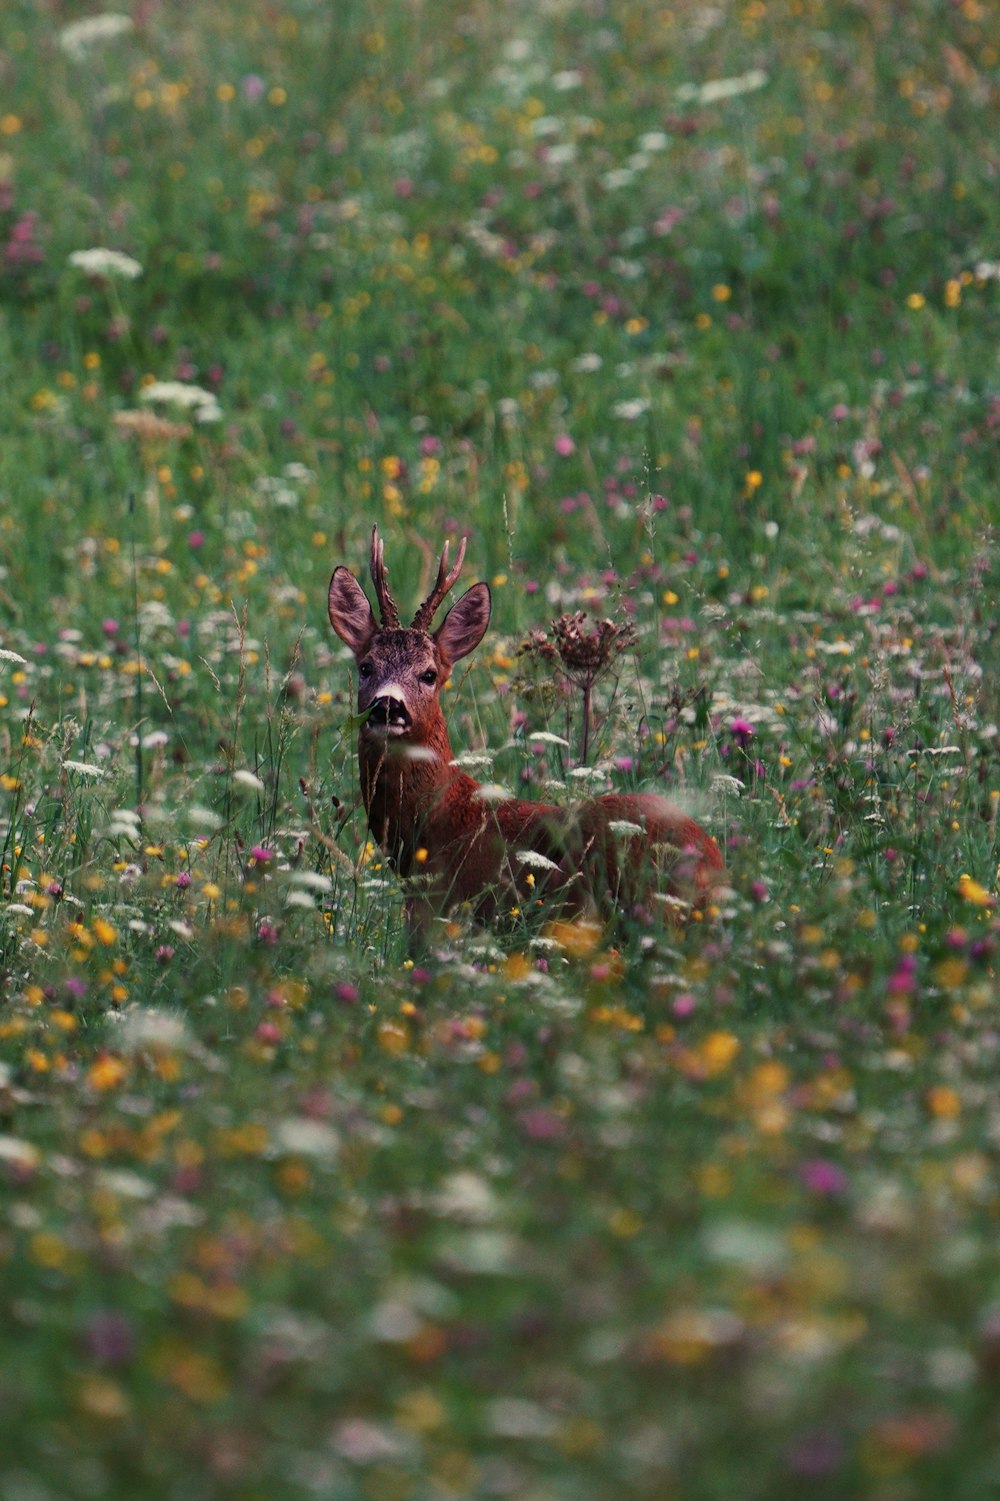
point(699, 1213)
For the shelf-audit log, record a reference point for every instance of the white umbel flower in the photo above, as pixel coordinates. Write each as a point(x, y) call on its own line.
point(83, 768)
point(631, 409)
point(150, 1029)
point(537, 861)
point(300, 1136)
point(77, 39)
point(202, 404)
point(100, 261)
point(718, 89)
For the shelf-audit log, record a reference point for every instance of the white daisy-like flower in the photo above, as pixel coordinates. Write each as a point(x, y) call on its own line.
point(12, 656)
point(100, 261)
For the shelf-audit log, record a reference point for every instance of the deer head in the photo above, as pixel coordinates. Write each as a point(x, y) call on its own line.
point(401, 669)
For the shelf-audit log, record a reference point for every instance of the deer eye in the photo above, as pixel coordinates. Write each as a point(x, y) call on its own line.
point(429, 677)
point(365, 670)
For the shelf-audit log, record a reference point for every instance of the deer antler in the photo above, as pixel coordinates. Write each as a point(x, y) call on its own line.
point(443, 583)
point(386, 603)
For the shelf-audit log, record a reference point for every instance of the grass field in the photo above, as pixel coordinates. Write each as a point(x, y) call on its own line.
point(690, 318)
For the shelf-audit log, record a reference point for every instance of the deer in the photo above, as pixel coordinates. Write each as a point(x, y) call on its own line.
point(476, 850)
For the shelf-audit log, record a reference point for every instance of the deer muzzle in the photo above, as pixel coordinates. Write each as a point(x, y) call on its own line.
point(389, 716)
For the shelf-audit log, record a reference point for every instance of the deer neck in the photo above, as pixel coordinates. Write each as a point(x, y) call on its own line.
point(408, 788)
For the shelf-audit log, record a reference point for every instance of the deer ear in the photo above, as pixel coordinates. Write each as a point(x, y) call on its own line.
point(350, 613)
point(465, 624)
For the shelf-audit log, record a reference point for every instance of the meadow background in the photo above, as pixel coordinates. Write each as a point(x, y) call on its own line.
point(690, 316)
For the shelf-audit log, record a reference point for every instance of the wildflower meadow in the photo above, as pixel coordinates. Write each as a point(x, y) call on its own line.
point(688, 316)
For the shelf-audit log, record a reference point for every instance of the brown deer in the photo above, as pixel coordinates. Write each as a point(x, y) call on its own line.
point(434, 820)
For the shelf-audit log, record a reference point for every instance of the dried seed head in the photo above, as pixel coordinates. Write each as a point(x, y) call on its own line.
point(586, 653)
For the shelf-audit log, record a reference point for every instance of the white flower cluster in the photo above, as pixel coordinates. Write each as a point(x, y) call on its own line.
point(203, 405)
point(631, 409)
point(103, 262)
point(77, 39)
point(83, 768)
point(718, 89)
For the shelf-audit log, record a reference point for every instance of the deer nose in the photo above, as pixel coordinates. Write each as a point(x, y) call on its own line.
point(389, 712)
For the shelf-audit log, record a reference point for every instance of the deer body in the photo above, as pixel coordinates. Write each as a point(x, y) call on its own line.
point(435, 821)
